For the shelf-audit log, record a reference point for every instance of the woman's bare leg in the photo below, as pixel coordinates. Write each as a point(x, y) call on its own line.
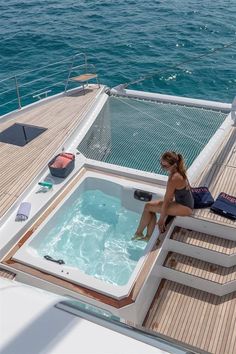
point(147, 217)
point(151, 225)
point(174, 209)
point(144, 221)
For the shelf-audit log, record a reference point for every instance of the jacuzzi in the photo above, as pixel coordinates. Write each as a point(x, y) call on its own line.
point(87, 238)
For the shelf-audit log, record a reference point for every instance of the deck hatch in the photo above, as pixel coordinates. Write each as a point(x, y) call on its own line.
point(20, 134)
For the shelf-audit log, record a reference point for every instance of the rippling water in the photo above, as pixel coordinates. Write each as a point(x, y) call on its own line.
point(127, 39)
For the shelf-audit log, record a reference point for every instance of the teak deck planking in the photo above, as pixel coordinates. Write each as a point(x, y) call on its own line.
point(20, 165)
point(194, 317)
point(203, 240)
point(220, 176)
point(201, 269)
point(190, 316)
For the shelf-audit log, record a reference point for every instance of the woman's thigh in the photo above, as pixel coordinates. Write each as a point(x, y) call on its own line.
point(176, 209)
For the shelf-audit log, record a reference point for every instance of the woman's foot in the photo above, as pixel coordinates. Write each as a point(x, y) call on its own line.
point(146, 238)
point(141, 237)
point(138, 236)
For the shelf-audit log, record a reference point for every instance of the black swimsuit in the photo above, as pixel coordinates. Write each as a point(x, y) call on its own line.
point(184, 197)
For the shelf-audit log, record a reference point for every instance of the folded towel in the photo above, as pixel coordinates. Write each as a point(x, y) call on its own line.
point(23, 211)
point(62, 160)
point(225, 205)
point(68, 155)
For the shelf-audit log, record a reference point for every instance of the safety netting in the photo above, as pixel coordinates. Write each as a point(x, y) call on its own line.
point(134, 133)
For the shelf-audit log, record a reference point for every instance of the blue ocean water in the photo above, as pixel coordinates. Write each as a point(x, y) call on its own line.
point(126, 40)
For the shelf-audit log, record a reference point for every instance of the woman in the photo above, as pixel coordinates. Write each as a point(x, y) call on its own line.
point(177, 188)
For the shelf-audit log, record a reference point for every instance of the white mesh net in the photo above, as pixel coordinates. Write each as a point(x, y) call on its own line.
point(135, 133)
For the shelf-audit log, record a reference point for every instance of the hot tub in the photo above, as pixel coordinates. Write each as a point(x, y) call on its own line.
point(87, 239)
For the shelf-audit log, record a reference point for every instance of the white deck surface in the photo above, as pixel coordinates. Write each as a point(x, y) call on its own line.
point(30, 324)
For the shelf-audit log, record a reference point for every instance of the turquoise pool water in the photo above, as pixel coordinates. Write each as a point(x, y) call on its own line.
point(92, 232)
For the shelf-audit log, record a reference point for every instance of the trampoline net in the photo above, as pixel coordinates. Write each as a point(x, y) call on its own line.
point(134, 133)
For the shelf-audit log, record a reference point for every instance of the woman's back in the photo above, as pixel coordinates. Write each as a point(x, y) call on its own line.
point(182, 193)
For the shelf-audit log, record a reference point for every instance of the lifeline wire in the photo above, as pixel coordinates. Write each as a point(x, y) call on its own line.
point(197, 57)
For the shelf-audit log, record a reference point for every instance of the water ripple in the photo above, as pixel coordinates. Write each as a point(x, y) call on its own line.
point(126, 40)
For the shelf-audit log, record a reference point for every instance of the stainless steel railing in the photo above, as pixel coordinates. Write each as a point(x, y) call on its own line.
point(104, 318)
point(85, 67)
point(34, 84)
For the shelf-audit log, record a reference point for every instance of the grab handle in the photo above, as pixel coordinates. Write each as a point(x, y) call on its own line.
point(49, 258)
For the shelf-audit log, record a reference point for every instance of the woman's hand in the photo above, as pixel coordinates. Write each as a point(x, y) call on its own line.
point(161, 225)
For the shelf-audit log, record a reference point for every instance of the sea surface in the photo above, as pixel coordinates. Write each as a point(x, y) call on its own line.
point(126, 40)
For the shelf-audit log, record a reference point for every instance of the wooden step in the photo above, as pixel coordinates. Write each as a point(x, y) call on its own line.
point(198, 268)
point(193, 317)
point(203, 240)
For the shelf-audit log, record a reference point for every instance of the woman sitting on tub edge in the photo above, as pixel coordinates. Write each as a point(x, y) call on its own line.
point(178, 199)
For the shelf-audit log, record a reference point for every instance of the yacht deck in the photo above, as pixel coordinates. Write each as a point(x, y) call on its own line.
point(60, 116)
point(185, 314)
point(200, 319)
point(204, 241)
point(191, 316)
point(194, 317)
point(220, 176)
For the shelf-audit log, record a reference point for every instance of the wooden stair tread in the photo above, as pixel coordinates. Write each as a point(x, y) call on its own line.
point(203, 240)
point(199, 268)
point(193, 317)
